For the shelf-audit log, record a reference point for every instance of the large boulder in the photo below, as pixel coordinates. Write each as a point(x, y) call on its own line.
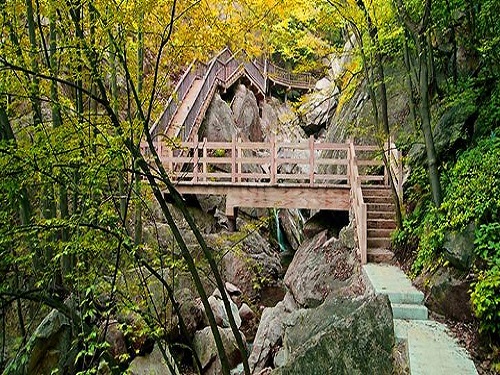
point(317, 109)
point(291, 222)
point(447, 293)
point(47, 350)
point(458, 247)
point(342, 336)
point(153, 363)
point(218, 125)
point(206, 349)
point(246, 114)
point(269, 335)
point(452, 132)
point(219, 311)
point(250, 264)
point(322, 267)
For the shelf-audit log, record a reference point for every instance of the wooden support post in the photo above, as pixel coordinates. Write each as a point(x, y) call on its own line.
point(311, 161)
point(233, 158)
point(274, 167)
point(196, 159)
point(204, 164)
point(363, 234)
point(170, 158)
point(239, 156)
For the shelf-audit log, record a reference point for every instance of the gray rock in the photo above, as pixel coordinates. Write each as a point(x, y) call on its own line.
point(245, 312)
point(447, 293)
point(347, 236)
point(246, 113)
point(232, 289)
point(292, 222)
point(342, 336)
point(204, 345)
point(268, 338)
point(251, 263)
point(459, 247)
point(322, 84)
point(115, 338)
point(317, 109)
point(321, 267)
point(153, 364)
point(48, 349)
point(218, 125)
point(219, 311)
point(450, 133)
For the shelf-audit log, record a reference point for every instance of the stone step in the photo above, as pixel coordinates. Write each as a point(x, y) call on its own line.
point(390, 280)
point(378, 243)
point(379, 255)
point(379, 233)
point(376, 215)
point(381, 207)
point(431, 350)
point(381, 223)
point(409, 311)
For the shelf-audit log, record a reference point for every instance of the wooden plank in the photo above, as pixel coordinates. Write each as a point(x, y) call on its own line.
point(333, 199)
point(331, 161)
point(368, 162)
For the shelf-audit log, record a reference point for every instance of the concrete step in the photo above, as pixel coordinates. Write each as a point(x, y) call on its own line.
point(390, 280)
point(381, 223)
point(377, 215)
point(379, 255)
point(381, 207)
point(409, 311)
point(378, 243)
point(379, 233)
point(431, 350)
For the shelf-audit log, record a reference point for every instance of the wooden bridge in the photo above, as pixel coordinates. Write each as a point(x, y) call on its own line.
point(191, 97)
point(307, 174)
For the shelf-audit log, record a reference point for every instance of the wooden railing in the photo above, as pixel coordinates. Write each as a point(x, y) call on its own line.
point(271, 162)
point(358, 203)
point(395, 160)
point(222, 70)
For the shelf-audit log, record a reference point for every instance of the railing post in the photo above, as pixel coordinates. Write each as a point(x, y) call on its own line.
point(311, 161)
point(196, 158)
point(274, 168)
point(233, 158)
point(204, 164)
point(363, 235)
point(239, 156)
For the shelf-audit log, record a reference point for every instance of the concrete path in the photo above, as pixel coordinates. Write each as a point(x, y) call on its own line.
point(430, 348)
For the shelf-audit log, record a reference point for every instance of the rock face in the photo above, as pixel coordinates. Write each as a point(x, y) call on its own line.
point(220, 314)
point(318, 107)
point(49, 348)
point(459, 248)
point(204, 345)
point(151, 364)
point(246, 114)
point(254, 261)
point(447, 293)
point(319, 268)
point(268, 338)
point(342, 336)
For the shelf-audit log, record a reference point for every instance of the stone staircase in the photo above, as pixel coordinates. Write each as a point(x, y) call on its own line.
point(380, 223)
point(430, 350)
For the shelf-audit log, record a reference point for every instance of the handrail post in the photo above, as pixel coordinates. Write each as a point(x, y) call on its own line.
point(239, 156)
point(274, 168)
point(233, 158)
point(311, 161)
point(204, 163)
point(196, 158)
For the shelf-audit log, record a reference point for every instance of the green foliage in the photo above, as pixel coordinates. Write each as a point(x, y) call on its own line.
point(472, 194)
